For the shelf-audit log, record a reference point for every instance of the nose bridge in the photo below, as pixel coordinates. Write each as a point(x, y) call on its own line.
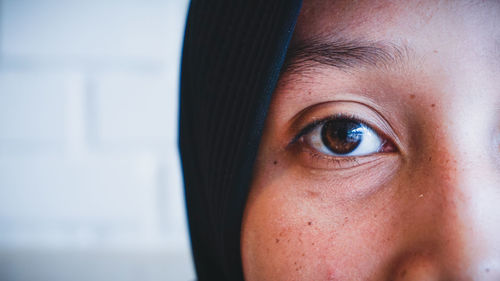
point(455, 198)
point(463, 193)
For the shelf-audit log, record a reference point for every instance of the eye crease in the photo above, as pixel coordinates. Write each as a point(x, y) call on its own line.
point(344, 137)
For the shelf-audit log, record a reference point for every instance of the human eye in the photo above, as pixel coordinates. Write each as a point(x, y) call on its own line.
point(343, 136)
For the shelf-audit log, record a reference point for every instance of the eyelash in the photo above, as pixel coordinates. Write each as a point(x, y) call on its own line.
point(340, 162)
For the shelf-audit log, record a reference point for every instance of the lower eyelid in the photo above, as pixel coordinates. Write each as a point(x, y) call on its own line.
point(316, 160)
point(337, 162)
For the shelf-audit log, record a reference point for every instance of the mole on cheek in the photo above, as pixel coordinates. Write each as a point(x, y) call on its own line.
point(346, 221)
point(312, 194)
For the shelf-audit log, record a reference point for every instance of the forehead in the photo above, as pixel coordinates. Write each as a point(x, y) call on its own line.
point(375, 19)
point(451, 37)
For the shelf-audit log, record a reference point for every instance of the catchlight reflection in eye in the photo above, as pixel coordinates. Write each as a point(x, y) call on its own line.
point(344, 137)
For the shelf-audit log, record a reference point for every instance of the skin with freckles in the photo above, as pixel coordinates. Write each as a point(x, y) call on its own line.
point(420, 198)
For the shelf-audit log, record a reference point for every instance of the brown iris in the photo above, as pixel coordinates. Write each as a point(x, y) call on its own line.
point(341, 136)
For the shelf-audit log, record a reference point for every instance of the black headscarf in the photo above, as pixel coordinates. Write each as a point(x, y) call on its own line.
point(232, 56)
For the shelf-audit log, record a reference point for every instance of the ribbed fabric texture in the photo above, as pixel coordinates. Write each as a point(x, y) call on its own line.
point(232, 56)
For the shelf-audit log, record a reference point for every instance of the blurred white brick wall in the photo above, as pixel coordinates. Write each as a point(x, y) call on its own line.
point(90, 183)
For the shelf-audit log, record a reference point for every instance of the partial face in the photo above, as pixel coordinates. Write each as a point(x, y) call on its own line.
point(380, 159)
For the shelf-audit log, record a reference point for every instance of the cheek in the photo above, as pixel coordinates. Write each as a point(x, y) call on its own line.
point(281, 240)
point(290, 233)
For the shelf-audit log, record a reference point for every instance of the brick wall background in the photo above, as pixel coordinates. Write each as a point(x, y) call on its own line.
point(90, 185)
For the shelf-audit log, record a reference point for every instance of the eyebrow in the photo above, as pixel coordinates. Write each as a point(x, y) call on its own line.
point(343, 54)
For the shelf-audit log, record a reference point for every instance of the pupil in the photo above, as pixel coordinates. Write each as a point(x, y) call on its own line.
point(341, 136)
